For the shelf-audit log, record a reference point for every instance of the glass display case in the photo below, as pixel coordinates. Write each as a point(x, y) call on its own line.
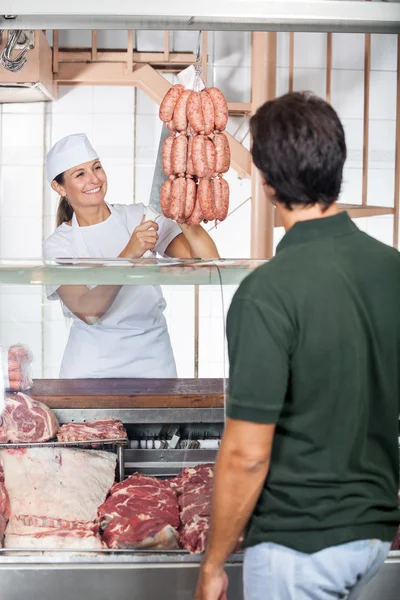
point(115, 410)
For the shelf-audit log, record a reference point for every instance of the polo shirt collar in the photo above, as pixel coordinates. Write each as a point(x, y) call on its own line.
point(315, 229)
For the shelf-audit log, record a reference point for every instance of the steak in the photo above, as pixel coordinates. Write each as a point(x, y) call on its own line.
point(104, 429)
point(140, 512)
point(27, 420)
point(57, 483)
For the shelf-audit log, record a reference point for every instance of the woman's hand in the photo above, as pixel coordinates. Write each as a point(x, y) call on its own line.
point(143, 238)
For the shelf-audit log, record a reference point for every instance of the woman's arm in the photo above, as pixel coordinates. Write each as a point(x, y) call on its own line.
point(194, 242)
point(92, 305)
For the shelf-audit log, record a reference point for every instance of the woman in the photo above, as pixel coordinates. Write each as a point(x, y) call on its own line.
point(117, 331)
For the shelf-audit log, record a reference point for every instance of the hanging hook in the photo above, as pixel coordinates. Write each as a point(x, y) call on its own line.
point(6, 59)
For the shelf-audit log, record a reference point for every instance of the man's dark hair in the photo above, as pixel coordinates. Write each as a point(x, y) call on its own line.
point(300, 148)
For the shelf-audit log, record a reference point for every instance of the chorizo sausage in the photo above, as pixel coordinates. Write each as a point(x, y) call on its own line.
point(166, 156)
point(221, 197)
point(197, 215)
point(220, 108)
point(165, 198)
point(205, 194)
point(222, 153)
point(203, 156)
point(180, 118)
point(178, 199)
point(195, 113)
point(179, 155)
point(207, 108)
point(169, 101)
point(191, 190)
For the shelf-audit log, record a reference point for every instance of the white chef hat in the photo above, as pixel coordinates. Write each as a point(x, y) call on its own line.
point(68, 152)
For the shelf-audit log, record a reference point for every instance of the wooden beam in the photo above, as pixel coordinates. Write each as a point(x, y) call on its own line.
point(166, 46)
point(94, 45)
point(367, 77)
point(120, 56)
point(291, 61)
point(129, 52)
point(151, 82)
point(263, 88)
point(396, 223)
point(328, 66)
point(356, 211)
point(55, 51)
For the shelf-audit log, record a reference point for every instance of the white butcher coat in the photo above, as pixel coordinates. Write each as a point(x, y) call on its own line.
point(131, 339)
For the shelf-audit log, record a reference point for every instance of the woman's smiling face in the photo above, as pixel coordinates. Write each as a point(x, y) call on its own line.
point(84, 185)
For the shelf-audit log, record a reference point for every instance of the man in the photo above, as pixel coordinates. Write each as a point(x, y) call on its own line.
point(309, 457)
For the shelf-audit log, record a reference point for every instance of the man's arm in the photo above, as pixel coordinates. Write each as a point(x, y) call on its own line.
point(240, 473)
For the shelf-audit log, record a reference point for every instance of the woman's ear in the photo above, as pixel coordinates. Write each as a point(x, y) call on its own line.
point(58, 188)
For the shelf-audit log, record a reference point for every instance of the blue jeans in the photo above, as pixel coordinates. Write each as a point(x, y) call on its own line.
point(273, 572)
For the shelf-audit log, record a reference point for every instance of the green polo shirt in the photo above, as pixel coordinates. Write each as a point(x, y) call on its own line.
point(314, 346)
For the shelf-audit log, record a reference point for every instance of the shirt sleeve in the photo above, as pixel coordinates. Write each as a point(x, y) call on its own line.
point(259, 342)
point(54, 248)
point(167, 231)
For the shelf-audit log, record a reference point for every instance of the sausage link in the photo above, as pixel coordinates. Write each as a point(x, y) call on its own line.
point(165, 198)
point(189, 165)
point(221, 198)
point(171, 126)
point(178, 199)
point(205, 194)
point(195, 113)
point(220, 108)
point(166, 156)
point(203, 156)
point(223, 153)
point(207, 108)
point(180, 118)
point(210, 158)
point(179, 155)
point(169, 101)
point(197, 215)
point(191, 189)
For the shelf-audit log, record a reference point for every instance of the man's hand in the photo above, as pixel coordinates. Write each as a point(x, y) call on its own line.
point(212, 584)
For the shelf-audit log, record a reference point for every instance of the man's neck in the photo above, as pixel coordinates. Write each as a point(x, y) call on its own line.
point(296, 215)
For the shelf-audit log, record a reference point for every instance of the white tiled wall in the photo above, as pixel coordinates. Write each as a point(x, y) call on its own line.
point(123, 125)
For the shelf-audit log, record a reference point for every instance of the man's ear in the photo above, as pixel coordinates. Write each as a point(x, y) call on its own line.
point(268, 189)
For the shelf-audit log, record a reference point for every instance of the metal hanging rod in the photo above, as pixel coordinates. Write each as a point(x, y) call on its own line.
point(245, 15)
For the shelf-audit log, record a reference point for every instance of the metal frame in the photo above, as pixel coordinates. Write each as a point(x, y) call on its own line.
point(249, 15)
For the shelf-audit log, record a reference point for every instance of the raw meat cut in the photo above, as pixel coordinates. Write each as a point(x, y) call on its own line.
point(195, 501)
point(193, 535)
point(57, 483)
point(77, 537)
point(140, 512)
point(194, 488)
point(27, 420)
point(135, 532)
point(189, 475)
point(4, 500)
point(104, 429)
point(4, 506)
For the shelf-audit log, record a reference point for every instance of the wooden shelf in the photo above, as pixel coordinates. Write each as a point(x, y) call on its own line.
point(129, 393)
point(356, 211)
